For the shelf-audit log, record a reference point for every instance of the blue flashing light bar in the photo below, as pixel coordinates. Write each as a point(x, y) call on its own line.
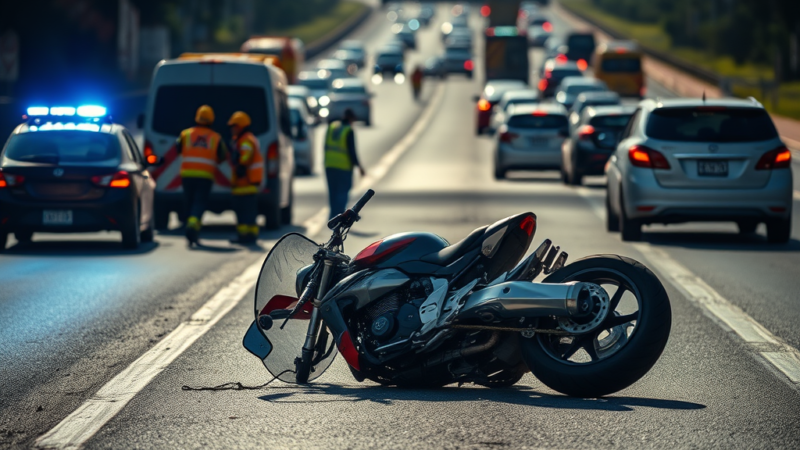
point(38, 111)
point(62, 111)
point(92, 111)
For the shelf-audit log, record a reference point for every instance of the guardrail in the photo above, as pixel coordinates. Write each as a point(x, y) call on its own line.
point(329, 40)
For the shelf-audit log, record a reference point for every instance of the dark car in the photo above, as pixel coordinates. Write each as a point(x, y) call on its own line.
point(592, 141)
point(389, 61)
point(580, 46)
point(458, 60)
point(552, 73)
point(434, 67)
point(587, 99)
point(492, 93)
point(73, 170)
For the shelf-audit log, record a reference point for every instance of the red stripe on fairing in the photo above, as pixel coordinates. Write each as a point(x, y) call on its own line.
point(287, 302)
point(348, 350)
point(168, 159)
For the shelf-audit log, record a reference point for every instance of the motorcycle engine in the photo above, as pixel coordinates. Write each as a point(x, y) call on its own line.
point(394, 317)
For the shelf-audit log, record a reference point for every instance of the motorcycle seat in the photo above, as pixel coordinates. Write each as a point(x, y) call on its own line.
point(451, 253)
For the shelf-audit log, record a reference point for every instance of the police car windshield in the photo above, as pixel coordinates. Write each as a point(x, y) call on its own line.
point(71, 147)
point(176, 105)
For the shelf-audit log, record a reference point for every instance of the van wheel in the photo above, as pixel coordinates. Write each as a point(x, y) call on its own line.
point(779, 231)
point(273, 217)
point(23, 237)
point(574, 178)
point(161, 214)
point(130, 232)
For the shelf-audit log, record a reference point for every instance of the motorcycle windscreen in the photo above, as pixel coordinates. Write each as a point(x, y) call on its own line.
point(276, 295)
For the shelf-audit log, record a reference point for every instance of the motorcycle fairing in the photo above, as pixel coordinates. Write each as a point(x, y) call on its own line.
point(278, 347)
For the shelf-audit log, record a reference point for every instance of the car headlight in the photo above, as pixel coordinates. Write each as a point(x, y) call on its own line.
point(312, 102)
point(561, 97)
point(324, 112)
point(324, 100)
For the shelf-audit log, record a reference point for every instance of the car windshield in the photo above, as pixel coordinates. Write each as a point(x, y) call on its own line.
point(621, 65)
point(175, 106)
point(64, 147)
point(711, 124)
point(616, 121)
point(389, 58)
point(314, 83)
point(522, 101)
point(537, 122)
point(457, 53)
point(581, 42)
point(576, 89)
point(350, 90)
point(560, 74)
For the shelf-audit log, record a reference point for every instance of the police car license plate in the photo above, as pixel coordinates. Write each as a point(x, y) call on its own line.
point(57, 217)
point(712, 168)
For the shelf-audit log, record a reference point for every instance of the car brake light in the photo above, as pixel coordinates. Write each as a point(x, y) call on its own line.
point(539, 113)
point(9, 180)
point(542, 84)
point(641, 156)
point(149, 155)
point(508, 137)
point(119, 180)
point(484, 105)
point(586, 132)
point(273, 162)
point(561, 58)
point(486, 10)
point(468, 64)
point(582, 64)
point(779, 158)
point(548, 27)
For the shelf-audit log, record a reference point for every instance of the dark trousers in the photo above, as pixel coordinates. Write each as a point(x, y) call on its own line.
point(339, 184)
point(246, 208)
point(195, 194)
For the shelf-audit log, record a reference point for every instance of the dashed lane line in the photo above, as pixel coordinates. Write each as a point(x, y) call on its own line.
point(92, 415)
point(768, 348)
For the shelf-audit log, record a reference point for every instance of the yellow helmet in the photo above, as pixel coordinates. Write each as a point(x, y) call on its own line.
point(240, 118)
point(204, 115)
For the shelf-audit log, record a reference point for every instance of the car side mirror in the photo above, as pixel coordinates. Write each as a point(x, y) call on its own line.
point(140, 120)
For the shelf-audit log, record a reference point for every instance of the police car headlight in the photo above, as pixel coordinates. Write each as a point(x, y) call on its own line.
point(324, 112)
point(324, 100)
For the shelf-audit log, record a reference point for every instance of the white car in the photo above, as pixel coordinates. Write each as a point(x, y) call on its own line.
point(530, 139)
point(686, 160)
point(302, 136)
point(347, 93)
point(515, 97)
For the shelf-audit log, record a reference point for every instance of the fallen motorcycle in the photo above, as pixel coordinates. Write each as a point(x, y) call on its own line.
point(413, 310)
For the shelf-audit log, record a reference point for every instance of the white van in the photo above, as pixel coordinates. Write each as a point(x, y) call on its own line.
point(227, 83)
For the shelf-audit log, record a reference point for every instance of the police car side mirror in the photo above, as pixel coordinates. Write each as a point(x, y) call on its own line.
point(140, 120)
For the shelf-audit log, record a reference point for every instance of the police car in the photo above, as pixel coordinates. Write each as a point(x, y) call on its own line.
point(71, 169)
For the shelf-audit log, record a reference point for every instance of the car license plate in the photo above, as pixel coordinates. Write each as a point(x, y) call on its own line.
point(538, 142)
point(712, 168)
point(57, 217)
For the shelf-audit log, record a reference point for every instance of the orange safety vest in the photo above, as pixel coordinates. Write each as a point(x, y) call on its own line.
point(199, 146)
point(249, 152)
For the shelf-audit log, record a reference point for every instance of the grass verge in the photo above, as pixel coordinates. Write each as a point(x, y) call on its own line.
point(653, 35)
point(321, 26)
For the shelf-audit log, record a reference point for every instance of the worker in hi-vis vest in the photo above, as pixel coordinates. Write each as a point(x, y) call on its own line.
point(340, 159)
point(201, 149)
point(247, 174)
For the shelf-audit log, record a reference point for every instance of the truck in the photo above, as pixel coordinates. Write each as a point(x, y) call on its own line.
point(506, 54)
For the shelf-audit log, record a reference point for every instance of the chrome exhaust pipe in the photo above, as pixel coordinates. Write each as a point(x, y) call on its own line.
point(514, 299)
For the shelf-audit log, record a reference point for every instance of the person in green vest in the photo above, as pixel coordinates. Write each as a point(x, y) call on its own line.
point(340, 159)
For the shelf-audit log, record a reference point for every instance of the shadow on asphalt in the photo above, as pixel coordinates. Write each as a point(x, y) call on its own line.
point(718, 241)
point(517, 395)
point(70, 248)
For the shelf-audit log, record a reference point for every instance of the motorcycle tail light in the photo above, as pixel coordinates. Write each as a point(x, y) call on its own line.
point(641, 156)
point(586, 132)
point(119, 180)
point(779, 158)
point(9, 180)
point(273, 162)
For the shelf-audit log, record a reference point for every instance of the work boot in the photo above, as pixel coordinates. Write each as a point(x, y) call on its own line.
point(193, 230)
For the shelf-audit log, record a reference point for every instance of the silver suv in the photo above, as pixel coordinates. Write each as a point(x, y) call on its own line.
point(684, 160)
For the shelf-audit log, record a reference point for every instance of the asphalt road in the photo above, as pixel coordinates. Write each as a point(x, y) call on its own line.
point(77, 310)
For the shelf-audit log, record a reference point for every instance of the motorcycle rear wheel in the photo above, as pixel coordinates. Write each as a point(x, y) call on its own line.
point(623, 349)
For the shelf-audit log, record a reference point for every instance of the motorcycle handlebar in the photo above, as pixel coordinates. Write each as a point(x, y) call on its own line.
point(363, 201)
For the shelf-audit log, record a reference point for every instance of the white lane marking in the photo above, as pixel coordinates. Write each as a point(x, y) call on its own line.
point(92, 415)
point(771, 348)
point(87, 420)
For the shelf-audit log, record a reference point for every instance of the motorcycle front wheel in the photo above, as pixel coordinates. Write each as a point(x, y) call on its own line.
point(622, 349)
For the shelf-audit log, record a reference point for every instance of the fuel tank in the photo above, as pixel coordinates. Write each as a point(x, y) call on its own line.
point(399, 248)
